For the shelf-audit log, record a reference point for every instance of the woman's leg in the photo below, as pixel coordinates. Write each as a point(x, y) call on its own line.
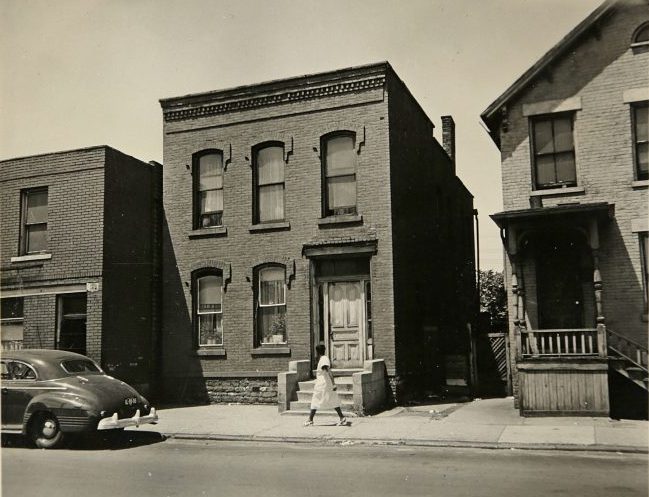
point(311, 414)
point(340, 413)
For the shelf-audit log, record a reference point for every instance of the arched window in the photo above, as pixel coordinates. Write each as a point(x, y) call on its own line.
point(208, 188)
point(268, 178)
point(208, 307)
point(339, 174)
point(270, 305)
point(641, 35)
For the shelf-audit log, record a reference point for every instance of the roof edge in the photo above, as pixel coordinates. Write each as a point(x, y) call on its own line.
point(554, 52)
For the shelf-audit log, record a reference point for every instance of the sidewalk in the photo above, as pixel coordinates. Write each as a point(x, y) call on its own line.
point(489, 423)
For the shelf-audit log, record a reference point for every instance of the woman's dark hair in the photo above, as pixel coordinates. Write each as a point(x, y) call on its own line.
point(320, 349)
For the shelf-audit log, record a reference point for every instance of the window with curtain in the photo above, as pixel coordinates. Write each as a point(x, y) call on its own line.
point(554, 151)
point(271, 305)
point(208, 189)
point(641, 139)
point(34, 221)
point(339, 171)
point(72, 311)
point(209, 309)
point(269, 184)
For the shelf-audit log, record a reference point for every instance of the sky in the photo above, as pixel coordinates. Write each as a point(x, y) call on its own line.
point(78, 73)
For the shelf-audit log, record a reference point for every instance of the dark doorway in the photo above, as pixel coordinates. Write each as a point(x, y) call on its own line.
point(72, 323)
point(562, 264)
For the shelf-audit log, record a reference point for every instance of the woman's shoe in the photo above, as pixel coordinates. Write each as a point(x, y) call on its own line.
point(308, 422)
point(342, 422)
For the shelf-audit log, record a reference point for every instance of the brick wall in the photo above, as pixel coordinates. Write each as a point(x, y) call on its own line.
point(433, 247)
point(75, 182)
point(130, 288)
point(299, 125)
point(599, 69)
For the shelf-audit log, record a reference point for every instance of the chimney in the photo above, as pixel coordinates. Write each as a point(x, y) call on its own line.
point(448, 138)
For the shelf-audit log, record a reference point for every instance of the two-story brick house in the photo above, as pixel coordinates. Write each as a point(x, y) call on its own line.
point(573, 136)
point(315, 209)
point(80, 257)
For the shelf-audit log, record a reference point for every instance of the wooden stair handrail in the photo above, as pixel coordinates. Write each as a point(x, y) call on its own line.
point(627, 358)
point(628, 340)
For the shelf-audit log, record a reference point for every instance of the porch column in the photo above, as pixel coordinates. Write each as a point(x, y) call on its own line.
point(518, 289)
point(597, 284)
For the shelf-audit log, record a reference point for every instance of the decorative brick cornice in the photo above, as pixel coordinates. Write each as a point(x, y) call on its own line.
point(223, 266)
point(275, 99)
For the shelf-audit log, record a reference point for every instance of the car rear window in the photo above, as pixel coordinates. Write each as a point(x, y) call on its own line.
point(76, 366)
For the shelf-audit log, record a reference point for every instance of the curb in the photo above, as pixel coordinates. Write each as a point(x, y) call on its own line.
point(621, 449)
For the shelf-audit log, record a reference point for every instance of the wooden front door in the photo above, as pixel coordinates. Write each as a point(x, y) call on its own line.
point(345, 326)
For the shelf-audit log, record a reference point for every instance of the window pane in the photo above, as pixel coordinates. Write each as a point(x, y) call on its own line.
point(211, 201)
point(11, 308)
point(271, 203)
point(36, 237)
point(341, 157)
point(566, 168)
point(210, 329)
point(210, 172)
point(545, 170)
point(272, 324)
point(543, 137)
point(563, 135)
point(74, 304)
point(37, 207)
point(642, 35)
point(641, 127)
point(272, 286)
point(642, 160)
point(341, 192)
point(209, 293)
point(270, 165)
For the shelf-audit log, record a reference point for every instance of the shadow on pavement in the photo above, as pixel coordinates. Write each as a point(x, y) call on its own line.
point(109, 440)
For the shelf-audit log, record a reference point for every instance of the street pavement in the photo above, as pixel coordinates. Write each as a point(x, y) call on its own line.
point(481, 423)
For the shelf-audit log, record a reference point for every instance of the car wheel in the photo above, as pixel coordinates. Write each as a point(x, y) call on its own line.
point(46, 432)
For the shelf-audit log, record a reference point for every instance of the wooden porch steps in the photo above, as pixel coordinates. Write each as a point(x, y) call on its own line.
point(629, 359)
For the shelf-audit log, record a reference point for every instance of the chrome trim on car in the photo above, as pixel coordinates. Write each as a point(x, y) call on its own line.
point(137, 420)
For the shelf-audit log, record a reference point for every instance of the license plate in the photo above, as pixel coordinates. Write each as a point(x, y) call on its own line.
point(131, 401)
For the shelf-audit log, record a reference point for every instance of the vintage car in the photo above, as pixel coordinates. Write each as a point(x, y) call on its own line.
point(47, 394)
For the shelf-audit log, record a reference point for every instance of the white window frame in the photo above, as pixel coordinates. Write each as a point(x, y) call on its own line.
point(266, 306)
point(208, 313)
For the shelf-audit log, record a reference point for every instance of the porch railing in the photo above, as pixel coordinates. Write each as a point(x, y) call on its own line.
point(562, 342)
point(627, 349)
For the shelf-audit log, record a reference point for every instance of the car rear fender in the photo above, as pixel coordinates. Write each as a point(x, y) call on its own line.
point(54, 403)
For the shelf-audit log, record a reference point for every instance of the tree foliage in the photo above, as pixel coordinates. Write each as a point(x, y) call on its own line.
point(493, 298)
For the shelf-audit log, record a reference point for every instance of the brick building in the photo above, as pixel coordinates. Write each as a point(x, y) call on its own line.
point(315, 209)
point(80, 257)
point(573, 136)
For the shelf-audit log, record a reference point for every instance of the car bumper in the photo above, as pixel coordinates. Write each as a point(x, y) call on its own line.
point(114, 422)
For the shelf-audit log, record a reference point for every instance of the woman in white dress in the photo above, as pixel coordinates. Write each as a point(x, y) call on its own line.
point(324, 390)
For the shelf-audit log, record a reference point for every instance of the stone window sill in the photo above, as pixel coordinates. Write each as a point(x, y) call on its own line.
point(263, 227)
point(262, 351)
point(209, 232)
point(344, 219)
point(643, 183)
point(31, 258)
point(571, 190)
point(211, 352)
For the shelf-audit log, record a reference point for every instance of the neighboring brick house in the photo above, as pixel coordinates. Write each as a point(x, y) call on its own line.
point(315, 209)
point(80, 257)
point(573, 136)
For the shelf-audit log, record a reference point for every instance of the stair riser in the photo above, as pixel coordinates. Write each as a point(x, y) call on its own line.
point(344, 396)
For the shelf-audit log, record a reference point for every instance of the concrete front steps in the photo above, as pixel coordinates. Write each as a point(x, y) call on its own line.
point(345, 386)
